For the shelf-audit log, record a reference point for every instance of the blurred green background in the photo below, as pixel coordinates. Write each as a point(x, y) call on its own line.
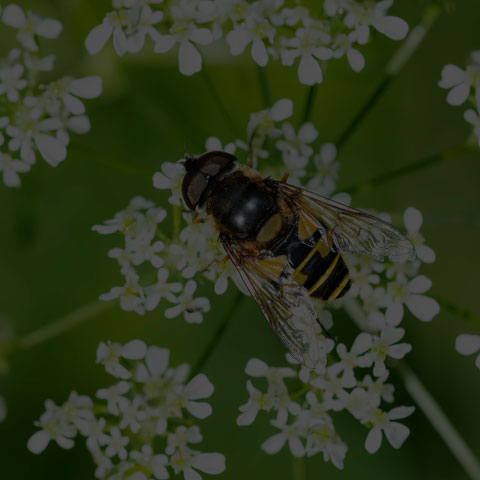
point(51, 262)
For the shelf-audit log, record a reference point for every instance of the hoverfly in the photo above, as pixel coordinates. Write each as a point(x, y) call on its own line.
point(286, 243)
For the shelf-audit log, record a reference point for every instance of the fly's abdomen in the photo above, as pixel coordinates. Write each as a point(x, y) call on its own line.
point(320, 270)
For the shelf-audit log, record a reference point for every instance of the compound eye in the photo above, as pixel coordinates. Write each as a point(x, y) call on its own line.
point(193, 188)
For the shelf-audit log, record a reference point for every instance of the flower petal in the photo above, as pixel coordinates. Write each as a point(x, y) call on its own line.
point(256, 368)
point(396, 434)
point(87, 87)
point(212, 463)
point(373, 440)
point(98, 37)
point(424, 308)
point(38, 442)
point(189, 59)
point(274, 444)
point(199, 387)
point(52, 150)
point(457, 95)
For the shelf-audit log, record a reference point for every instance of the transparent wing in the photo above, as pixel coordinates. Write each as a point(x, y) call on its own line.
point(350, 230)
point(285, 304)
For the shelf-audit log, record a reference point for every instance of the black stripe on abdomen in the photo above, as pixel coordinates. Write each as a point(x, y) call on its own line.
point(317, 267)
point(336, 284)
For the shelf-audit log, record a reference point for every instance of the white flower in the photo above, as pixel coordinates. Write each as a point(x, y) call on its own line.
point(297, 145)
point(373, 300)
point(274, 375)
point(343, 45)
point(323, 438)
point(154, 463)
point(257, 401)
point(467, 344)
point(116, 444)
point(147, 19)
point(193, 308)
point(459, 81)
point(255, 30)
point(333, 389)
point(109, 355)
point(94, 431)
point(197, 388)
point(39, 64)
point(326, 176)
point(170, 179)
point(28, 130)
point(185, 33)
point(133, 412)
point(350, 360)
point(362, 15)
point(30, 25)
point(113, 23)
point(395, 432)
point(263, 123)
point(182, 437)
point(213, 143)
point(154, 293)
point(189, 461)
point(384, 346)
point(291, 434)
point(309, 45)
point(131, 295)
point(151, 374)
point(114, 396)
point(10, 169)
point(129, 221)
point(378, 388)
point(69, 90)
point(413, 219)
point(53, 427)
point(422, 307)
point(11, 82)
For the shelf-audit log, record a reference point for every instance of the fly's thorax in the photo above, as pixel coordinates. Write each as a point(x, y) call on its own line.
point(242, 204)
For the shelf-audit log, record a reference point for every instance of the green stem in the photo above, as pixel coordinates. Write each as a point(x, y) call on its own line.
point(177, 221)
point(221, 106)
point(219, 333)
point(309, 102)
point(440, 422)
point(298, 468)
point(393, 68)
point(264, 87)
point(427, 404)
point(453, 152)
point(69, 321)
point(105, 159)
point(459, 311)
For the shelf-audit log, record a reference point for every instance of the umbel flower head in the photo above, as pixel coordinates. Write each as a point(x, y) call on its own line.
point(143, 425)
point(36, 119)
point(352, 377)
point(268, 30)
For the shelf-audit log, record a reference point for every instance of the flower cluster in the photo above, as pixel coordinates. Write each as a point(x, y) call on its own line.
point(305, 400)
point(193, 250)
point(141, 426)
point(37, 118)
point(465, 85)
point(270, 29)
